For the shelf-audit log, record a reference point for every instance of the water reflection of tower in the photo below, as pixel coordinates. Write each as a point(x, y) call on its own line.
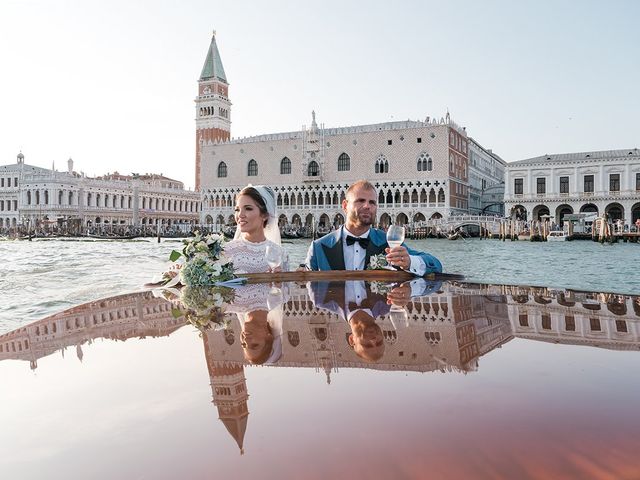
point(322, 342)
point(229, 388)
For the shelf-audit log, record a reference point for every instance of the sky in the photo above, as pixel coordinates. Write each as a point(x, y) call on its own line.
point(112, 84)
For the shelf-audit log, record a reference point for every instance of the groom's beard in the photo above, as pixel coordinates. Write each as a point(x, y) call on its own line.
point(364, 220)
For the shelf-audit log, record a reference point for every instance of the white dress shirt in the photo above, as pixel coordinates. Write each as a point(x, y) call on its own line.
point(354, 255)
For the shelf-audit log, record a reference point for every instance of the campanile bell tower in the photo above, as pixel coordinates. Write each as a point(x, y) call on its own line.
point(213, 108)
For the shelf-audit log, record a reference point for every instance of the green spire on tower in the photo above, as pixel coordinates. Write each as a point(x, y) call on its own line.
point(212, 67)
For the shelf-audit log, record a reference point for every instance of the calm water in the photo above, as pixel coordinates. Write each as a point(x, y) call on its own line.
point(41, 277)
point(466, 382)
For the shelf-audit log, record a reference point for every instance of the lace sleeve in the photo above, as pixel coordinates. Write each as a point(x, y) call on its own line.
point(249, 257)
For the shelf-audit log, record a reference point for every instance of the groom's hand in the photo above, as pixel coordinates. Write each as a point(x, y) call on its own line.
point(399, 257)
point(400, 296)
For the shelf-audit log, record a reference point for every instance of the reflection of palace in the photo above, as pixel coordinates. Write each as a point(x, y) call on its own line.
point(444, 331)
point(117, 318)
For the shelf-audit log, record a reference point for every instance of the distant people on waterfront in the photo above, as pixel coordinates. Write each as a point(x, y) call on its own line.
point(351, 246)
point(257, 246)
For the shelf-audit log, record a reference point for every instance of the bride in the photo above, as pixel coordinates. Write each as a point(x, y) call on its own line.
point(257, 232)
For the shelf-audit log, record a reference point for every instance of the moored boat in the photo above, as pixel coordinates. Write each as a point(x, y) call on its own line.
point(557, 236)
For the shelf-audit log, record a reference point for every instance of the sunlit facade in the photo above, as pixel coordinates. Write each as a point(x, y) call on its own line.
point(420, 168)
point(587, 182)
point(40, 197)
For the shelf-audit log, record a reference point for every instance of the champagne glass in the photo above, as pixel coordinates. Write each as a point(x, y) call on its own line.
point(395, 235)
point(398, 316)
point(274, 298)
point(273, 256)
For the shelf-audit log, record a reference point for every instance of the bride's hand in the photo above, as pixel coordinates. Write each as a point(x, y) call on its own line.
point(277, 269)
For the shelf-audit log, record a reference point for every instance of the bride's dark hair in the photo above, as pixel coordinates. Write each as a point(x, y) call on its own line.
point(255, 195)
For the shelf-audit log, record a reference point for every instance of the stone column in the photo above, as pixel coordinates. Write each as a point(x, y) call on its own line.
point(136, 205)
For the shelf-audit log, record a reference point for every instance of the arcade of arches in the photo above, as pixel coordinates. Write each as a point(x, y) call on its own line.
point(627, 211)
point(302, 206)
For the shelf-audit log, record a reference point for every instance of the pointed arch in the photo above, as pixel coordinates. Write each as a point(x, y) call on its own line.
point(252, 168)
point(222, 170)
point(313, 170)
point(344, 162)
point(285, 166)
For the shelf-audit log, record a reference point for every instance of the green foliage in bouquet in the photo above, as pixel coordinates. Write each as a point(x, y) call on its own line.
point(201, 262)
point(204, 307)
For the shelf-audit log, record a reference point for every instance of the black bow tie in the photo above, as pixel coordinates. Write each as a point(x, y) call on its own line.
point(365, 304)
point(364, 242)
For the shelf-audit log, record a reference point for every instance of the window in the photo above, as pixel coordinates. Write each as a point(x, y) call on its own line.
point(389, 142)
point(313, 170)
point(594, 324)
point(222, 170)
point(344, 163)
point(637, 181)
point(382, 165)
point(541, 185)
point(546, 321)
point(518, 186)
point(588, 184)
point(564, 184)
point(419, 139)
point(285, 166)
point(570, 323)
point(614, 182)
point(252, 168)
point(523, 319)
point(425, 163)
point(621, 326)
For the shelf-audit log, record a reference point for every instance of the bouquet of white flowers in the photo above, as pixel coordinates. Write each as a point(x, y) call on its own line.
point(201, 262)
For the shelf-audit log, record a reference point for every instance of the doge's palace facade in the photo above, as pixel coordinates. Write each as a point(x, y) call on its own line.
point(421, 169)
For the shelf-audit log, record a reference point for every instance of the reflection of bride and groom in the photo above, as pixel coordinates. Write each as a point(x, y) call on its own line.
point(257, 247)
point(361, 307)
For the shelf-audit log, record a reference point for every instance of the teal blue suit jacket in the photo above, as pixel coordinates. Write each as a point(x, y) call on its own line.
point(326, 252)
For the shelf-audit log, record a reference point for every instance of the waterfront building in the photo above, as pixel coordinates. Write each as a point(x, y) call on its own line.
point(41, 197)
point(486, 181)
point(421, 169)
point(605, 182)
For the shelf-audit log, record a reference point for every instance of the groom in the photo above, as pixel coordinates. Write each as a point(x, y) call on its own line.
point(351, 246)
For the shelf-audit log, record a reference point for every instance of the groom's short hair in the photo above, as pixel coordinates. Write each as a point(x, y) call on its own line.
point(365, 184)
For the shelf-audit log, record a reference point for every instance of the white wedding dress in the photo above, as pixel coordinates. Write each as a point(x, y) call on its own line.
point(249, 257)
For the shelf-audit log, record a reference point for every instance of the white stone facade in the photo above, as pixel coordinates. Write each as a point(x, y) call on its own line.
point(38, 196)
point(599, 182)
point(420, 169)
